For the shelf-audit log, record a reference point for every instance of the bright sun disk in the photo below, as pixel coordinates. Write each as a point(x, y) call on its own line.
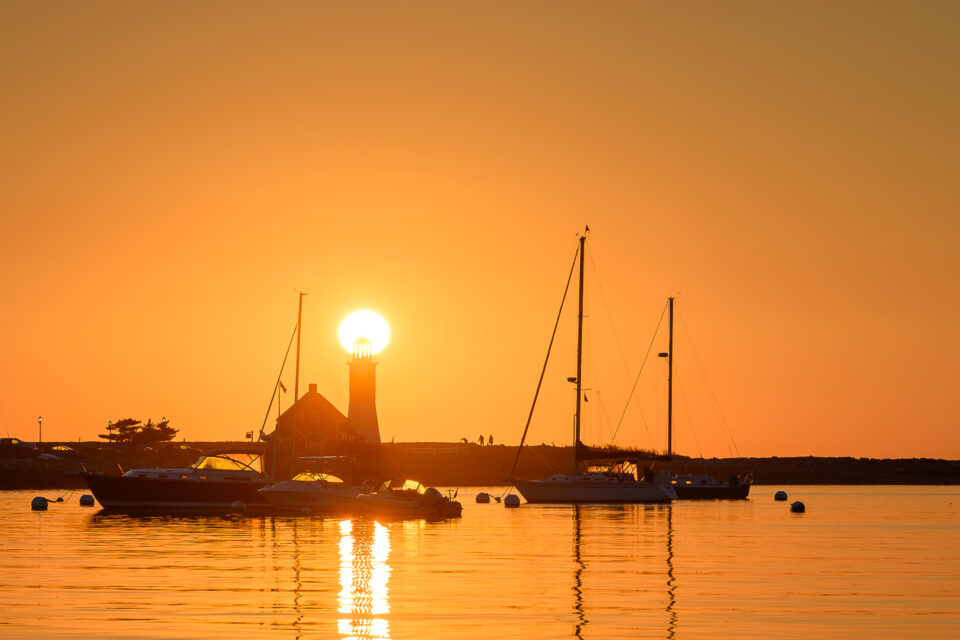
point(364, 324)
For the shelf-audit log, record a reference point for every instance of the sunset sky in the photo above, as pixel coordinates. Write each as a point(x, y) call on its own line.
point(173, 173)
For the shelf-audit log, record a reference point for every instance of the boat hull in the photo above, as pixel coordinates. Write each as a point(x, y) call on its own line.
point(402, 507)
point(541, 491)
point(287, 498)
point(126, 493)
point(712, 492)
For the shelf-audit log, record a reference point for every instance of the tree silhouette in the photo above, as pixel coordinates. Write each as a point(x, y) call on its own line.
point(151, 433)
point(121, 431)
point(132, 431)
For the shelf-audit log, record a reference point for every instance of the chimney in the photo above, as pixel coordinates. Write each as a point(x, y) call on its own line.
point(312, 388)
point(362, 413)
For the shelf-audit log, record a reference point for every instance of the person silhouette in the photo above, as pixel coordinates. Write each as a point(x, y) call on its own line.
point(490, 440)
point(480, 440)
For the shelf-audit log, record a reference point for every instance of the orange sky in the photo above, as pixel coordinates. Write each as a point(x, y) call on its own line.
point(170, 178)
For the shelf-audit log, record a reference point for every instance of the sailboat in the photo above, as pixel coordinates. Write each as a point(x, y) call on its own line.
point(690, 486)
point(616, 482)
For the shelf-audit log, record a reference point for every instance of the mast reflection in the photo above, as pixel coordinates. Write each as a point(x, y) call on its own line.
point(671, 580)
point(298, 584)
point(578, 577)
point(666, 513)
point(364, 573)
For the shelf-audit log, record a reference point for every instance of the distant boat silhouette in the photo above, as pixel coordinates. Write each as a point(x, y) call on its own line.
point(692, 486)
point(606, 482)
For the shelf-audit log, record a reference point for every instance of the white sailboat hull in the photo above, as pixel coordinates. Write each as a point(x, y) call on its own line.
point(586, 489)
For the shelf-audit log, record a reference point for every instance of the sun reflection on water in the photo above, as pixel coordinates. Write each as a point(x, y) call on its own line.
point(364, 574)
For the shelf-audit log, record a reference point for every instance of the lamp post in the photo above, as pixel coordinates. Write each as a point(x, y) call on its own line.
point(40, 430)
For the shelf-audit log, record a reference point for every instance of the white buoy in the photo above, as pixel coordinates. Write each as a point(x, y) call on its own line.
point(86, 500)
point(780, 495)
point(39, 504)
point(797, 507)
point(483, 498)
point(512, 501)
point(238, 506)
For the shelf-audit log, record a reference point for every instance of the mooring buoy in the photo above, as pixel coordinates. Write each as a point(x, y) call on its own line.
point(238, 506)
point(512, 501)
point(797, 507)
point(780, 495)
point(86, 500)
point(39, 504)
point(483, 498)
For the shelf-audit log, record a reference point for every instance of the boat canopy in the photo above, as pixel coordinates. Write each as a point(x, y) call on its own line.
point(585, 453)
point(310, 476)
point(231, 461)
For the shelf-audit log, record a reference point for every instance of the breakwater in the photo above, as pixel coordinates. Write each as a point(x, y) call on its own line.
point(449, 464)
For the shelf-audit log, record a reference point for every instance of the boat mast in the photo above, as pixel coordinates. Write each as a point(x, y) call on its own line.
point(543, 371)
point(576, 423)
point(670, 386)
point(296, 381)
point(296, 377)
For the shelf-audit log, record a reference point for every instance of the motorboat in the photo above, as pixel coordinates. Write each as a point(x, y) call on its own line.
point(313, 491)
point(17, 448)
point(223, 480)
point(409, 499)
point(704, 487)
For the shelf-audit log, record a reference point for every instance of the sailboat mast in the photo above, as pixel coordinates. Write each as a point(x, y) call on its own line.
point(296, 375)
point(296, 380)
point(576, 427)
point(670, 386)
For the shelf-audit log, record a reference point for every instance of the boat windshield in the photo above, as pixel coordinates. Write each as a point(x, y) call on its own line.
point(309, 476)
point(408, 485)
point(413, 485)
point(231, 462)
point(621, 469)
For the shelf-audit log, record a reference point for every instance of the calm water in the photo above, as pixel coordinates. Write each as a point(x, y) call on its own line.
point(877, 562)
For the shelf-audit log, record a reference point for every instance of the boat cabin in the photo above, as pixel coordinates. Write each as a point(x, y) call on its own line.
point(216, 465)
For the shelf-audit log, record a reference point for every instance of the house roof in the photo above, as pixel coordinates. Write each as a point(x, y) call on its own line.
point(312, 400)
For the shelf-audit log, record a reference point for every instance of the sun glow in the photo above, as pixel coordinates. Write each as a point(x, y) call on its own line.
point(367, 325)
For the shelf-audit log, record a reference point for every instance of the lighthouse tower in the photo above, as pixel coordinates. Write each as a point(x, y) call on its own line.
point(362, 413)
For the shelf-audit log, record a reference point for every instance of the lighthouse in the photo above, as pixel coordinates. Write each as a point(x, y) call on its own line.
point(362, 413)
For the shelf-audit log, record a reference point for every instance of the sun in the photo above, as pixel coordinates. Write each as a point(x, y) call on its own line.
point(364, 324)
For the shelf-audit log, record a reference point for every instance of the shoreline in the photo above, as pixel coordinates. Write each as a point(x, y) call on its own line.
point(472, 465)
